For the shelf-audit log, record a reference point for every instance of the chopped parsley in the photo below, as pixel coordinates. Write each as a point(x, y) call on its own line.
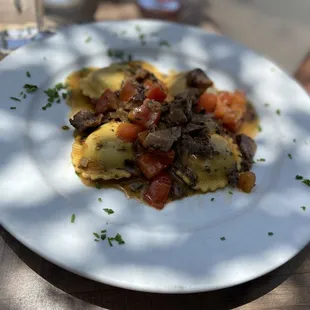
point(303, 208)
point(103, 231)
point(289, 156)
point(270, 233)
point(109, 211)
point(29, 88)
point(96, 240)
point(96, 235)
point(88, 39)
point(306, 181)
point(164, 43)
point(230, 193)
point(223, 238)
point(65, 127)
point(103, 236)
point(15, 99)
point(118, 238)
point(299, 177)
point(261, 159)
point(72, 218)
point(13, 108)
point(212, 199)
point(97, 185)
point(28, 74)
point(259, 128)
point(120, 54)
point(24, 96)
point(53, 95)
point(99, 199)
point(278, 111)
point(110, 239)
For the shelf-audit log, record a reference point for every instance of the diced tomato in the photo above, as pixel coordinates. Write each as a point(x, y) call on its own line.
point(166, 158)
point(150, 165)
point(208, 102)
point(154, 162)
point(158, 191)
point(225, 97)
point(147, 114)
point(128, 91)
point(107, 101)
point(156, 92)
point(128, 132)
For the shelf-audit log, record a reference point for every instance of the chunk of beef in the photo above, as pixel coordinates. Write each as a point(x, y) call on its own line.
point(107, 101)
point(200, 145)
point(162, 139)
point(233, 176)
point(86, 119)
point(142, 74)
point(131, 167)
point(196, 78)
point(180, 109)
point(184, 173)
point(247, 148)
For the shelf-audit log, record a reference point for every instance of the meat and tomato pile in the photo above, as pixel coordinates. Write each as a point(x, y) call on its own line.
point(159, 137)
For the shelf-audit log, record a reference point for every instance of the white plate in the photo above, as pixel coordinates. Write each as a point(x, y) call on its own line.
point(178, 249)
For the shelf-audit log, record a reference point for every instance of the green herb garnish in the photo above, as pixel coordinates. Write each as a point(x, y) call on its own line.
point(72, 218)
point(212, 199)
point(110, 239)
point(96, 240)
point(270, 233)
point(15, 99)
point(223, 238)
point(97, 184)
point(109, 211)
point(103, 231)
point(164, 43)
point(278, 111)
point(88, 39)
point(230, 192)
point(99, 199)
point(30, 88)
point(299, 177)
point(261, 159)
point(289, 156)
point(303, 208)
point(64, 95)
point(259, 128)
point(103, 236)
point(65, 127)
point(28, 74)
point(24, 96)
point(118, 238)
point(306, 181)
point(96, 235)
point(13, 108)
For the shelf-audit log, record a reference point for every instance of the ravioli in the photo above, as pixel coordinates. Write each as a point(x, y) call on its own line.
point(212, 173)
point(95, 83)
point(102, 155)
point(176, 83)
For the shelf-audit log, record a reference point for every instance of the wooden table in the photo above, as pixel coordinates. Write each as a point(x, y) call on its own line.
point(28, 281)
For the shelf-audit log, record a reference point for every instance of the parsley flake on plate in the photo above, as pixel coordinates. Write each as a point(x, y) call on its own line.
point(30, 88)
point(304, 208)
point(223, 238)
point(212, 199)
point(164, 43)
point(100, 199)
point(306, 181)
point(28, 74)
point(13, 108)
point(299, 177)
point(109, 211)
point(72, 218)
point(15, 99)
point(289, 156)
point(65, 127)
point(278, 111)
point(96, 235)
point(270, 233)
